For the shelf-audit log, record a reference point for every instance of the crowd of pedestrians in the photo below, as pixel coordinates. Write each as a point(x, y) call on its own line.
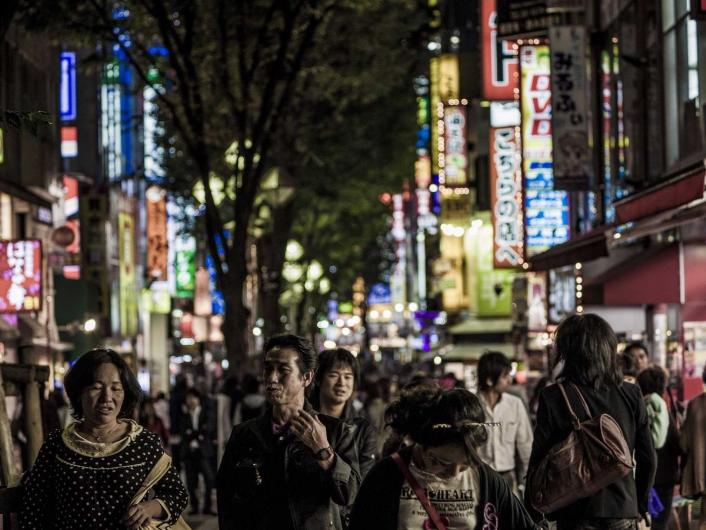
point(315, 442)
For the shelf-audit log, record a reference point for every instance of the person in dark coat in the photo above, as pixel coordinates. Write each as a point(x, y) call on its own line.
point(198, 434)
point(446, 428)
point(290, 468)
point(653, 381)
point(334, 383)
point(586, 356)
point(693, 443)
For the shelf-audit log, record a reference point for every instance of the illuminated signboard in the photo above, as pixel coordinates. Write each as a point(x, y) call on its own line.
point(607, 119)
point(573, 161)
point(506, 197)
point(20, 276)
point(398, 281)
point(504, 114)
point(453, 165)
point(72, 270)
point(111, 121)
point(67, 86)
point(449, 78)
point(157, 243)
point(69, 142)
point(524, 18)
point(494, 286)
point(562, 293)
point(536, 302)
point(154, 153)
point(434, 106)
point(128, 295)
point(185, 267)
point(546, 211)
point(500, 66)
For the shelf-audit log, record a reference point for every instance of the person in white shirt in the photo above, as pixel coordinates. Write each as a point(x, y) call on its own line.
point(510, 442)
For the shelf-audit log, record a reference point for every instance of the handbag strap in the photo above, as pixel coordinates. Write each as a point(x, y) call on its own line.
point(419, 492)
point(577, 422)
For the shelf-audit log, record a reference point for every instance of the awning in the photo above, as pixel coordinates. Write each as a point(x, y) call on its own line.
point(587, 247)
point(661, 197)
point(652, 277)
point(469, 351)
point(20, 192)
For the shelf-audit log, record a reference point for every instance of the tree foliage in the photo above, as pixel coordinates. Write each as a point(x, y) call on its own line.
point(247, 85)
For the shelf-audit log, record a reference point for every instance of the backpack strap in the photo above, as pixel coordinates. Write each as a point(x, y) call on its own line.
point(419, 492)
point(575, 418)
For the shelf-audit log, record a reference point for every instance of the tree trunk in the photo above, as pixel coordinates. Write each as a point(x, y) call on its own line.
point(272, 248)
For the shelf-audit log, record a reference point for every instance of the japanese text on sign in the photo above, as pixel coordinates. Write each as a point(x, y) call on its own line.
point(506, 198)
point(20, 276)
point(570, 119)
point(546, 210)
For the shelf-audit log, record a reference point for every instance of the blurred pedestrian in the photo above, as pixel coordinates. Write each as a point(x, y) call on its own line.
point(198, 433)
point(378, 397)
point(161, 409)
point(88, 475)
point(508, 447)
point(291, 467)
point(226, 402)
point(639, 353)
point(665, 437)
point(176, 409)
point(440, 476)
point(587, 361)
point(253, 402)
point(693, 443)
point(628, 365)
point(150, 421)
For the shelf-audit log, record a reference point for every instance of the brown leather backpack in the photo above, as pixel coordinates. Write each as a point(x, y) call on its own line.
point(594, 455)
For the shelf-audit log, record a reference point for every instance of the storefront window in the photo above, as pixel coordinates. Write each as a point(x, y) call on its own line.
point(681, 82)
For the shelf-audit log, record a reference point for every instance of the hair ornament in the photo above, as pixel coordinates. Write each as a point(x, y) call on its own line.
point(441, 426)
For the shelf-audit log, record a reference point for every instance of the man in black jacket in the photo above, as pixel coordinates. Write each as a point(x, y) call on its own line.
point(197, 428)
point(290, 468)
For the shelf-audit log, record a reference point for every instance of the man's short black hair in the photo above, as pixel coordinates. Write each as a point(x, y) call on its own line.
point(634, 345)
point(191, 391)
point(306, 356)
point(82, 375)
point(491, 366)
point(652, 380)
point(330, 358)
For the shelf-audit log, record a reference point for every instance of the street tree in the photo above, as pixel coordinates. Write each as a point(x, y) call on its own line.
point(228, 76)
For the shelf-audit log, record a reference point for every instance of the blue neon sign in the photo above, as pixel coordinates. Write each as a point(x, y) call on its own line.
point(67, 97)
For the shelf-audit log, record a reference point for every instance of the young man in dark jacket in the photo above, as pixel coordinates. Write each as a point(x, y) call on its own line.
point(290, 468)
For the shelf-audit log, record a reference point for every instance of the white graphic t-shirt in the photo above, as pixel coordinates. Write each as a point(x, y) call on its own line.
point(455, 499)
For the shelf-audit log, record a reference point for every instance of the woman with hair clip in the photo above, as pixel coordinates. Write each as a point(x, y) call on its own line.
point(439, 482)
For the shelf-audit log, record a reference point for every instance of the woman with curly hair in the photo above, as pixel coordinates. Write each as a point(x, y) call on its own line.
point(438, 482)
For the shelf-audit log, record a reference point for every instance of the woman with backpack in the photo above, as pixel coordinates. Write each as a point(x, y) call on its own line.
point(590, 387)
point(438, 482)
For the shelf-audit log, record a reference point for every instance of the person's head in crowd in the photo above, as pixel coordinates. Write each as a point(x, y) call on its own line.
point(288, 369)
point(494, 372)
point(652, 380)
point(640, 354)
point(250, 385)
point(335, 380)
point(586, 351)
point(627, 364)
point(101, 387)
point(147, 411)
point(192, 399)
point(445, 426)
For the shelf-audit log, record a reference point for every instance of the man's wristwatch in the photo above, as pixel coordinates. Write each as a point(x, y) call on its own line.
point(324, 454)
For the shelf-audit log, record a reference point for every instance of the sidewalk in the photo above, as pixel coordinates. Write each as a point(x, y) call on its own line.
point(202, 522)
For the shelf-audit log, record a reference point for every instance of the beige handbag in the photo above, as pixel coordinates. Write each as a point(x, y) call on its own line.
point(155, 475)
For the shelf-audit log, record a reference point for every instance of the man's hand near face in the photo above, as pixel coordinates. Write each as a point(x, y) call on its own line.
point(312, 433)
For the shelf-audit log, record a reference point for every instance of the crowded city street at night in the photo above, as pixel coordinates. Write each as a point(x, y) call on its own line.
point(352, 264)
